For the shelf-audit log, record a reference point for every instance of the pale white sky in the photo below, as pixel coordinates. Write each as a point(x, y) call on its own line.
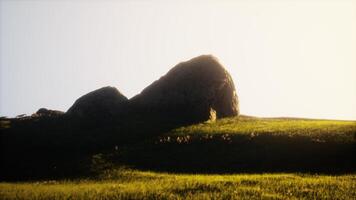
point(287, 58)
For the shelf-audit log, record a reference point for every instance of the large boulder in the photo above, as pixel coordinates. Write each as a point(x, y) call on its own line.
point(103, 102)
point(193, 91)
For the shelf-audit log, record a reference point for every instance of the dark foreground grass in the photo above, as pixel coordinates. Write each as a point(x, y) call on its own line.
point(128, 184)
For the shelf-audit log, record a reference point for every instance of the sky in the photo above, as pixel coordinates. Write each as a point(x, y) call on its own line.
point(293, 58)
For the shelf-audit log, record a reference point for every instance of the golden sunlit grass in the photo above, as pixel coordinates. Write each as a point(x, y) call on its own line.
point(129, 184)
point(322, 130)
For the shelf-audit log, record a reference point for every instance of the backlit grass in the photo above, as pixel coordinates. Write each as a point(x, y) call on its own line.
point(323, 130)
point(128, 184)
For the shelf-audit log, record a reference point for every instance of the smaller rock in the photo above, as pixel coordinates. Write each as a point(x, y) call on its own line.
point(103, 102)
point(47, 112)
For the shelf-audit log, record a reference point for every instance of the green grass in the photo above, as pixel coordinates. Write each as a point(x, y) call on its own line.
point(128, 184)
point(232, 158)
point(322, 130)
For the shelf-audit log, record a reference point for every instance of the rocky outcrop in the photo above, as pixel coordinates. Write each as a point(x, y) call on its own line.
point(104, 102)
point(193, 91)
point(48, 113)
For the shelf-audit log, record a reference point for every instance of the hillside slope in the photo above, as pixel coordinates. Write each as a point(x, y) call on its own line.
point(249, 144)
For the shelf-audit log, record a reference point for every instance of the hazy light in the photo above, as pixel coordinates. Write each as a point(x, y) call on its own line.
point(287, 58)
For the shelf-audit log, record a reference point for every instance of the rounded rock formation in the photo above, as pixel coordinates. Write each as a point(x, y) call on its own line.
point(103, 102)
point(192, 91)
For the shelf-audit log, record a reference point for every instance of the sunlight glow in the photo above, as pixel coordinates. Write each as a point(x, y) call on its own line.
point(287, 58)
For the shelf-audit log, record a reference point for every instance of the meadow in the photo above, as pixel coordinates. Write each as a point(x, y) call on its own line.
point(133, 184)
point(232, 158)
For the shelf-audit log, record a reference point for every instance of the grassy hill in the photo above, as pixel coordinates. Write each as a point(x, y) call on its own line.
point(323, 130)
point(240, 158)
point(249, 144)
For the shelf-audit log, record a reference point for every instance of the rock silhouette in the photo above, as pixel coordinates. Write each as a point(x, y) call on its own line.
point(193, 91)
point(101, 103)
point(197, 90)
